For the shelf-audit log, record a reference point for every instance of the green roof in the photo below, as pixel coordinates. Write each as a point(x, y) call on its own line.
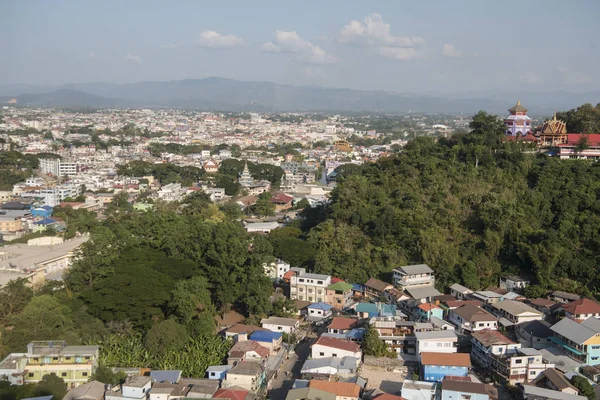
point(517, 108)
point(341, 286)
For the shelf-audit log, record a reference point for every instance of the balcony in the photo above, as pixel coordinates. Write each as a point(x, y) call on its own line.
point(413, 281)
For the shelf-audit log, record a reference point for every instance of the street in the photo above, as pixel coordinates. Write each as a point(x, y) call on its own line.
point(283, 383)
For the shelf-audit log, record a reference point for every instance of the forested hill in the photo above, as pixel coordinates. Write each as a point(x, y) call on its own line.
point(472, 208)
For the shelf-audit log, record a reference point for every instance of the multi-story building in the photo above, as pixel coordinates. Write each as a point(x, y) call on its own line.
point(519, 366)
point(308, 287)
point(469, 318)
point(398, 334)
point(437, 366)
point(276, 270)
point(516, 311)
point(413, 275)
point(580, 341)
point(74, 364)
point(57, 167)
point(339, 295)
point(489, 342)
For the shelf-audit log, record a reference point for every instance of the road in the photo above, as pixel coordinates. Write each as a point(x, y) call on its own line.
point(283, 382)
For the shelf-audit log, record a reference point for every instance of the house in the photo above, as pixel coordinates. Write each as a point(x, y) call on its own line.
point(267, 339)
point(241, 332)
point(441, 325)
point(200, 388)
point(248, 350)
point(424, 312)
point(342, 390)
point(553, 379)
point(309, 287)
point(460, 292)
point(467, 390)
point(397, 334)
point(211, 166)
point(308, 393)
point(218, 372)
point(580, 341)
point(167, 391)
point(581, 309)
point(339, 295)
point(513, 283)
point(370, 310)
point(545, 306)
point(534, 334)
point(591, 372)
point(421, 294)
point(563, 297)
point(436, 366)
point(486, 343)
point(355, 335)
point(341, 325)
point(282, 201)
point(519, 366)
point(330, 366)
point(168, 376)
point(376, 288)
point(93, 390)
point(331, 347)
point(487, 296)
point(74, 364)
point(413, 275)
point(531, 392)
point(276, 270)
point(516, 312)
point(277, 324)
point(470, 318)
point(419, 390)
point(247, 375)
point(260, 227)
point(319, 311)
point(233, 394)
point(436, 341)
point(134, 388)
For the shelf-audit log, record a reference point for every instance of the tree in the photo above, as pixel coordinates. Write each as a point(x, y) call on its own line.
point(372, 345)
point(106, 375)
point(51, 384)
point(166, 336)
point(263, 206)
point(14, 296)
point(190, 298)
point(584, 387)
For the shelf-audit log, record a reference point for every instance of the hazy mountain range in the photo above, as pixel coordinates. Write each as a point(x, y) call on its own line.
point(233, 95)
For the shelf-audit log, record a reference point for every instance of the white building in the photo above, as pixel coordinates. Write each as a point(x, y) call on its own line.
point(326, 347)
point(171, 192)
point(414, 275)
point(436, 341)
point(276, 324)
point(308, 287)
point(276, 270)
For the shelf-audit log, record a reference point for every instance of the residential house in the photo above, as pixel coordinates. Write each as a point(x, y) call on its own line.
point(355, 335)
point(277, 324)
point(467, 390)
point(282, 201)
point(168, 376)
point(563, 297)
point(370, 310)
point(93, 390)
point(341, 325)
point(513, 283)
point(309, 287)
point(553, 379)
point(460, 292)
point(545, 306)
point(339, 295)
point(592, 372)
point(436, 366)
point(441, 325)
point(260, 227)
point(308, 393)
point(534, 334)
point(521, 365)
point(248, 350)
point(276, 270)
point(74, 364)
point(375, 288)
point(398, 334)
point(531, 392)
point(420, 390)
point(331, 347)
point(581, 309)
point(247, 375)
point(234, 393)
point(580, 341)
point(486, 343)
point(268, 339)
point(327, 367)
point(425, 311)
point(470, 318)
point(516, 312)
point(419, 295)
point(342, 390)
point(134, 388)
point(436, 341)
point(168, 391)
point(487, 296)
point(319, 311)
point(218, 372)
point(240, 332)
point(413, 275)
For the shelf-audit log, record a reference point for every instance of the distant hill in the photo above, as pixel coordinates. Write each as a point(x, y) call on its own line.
point(233, 95)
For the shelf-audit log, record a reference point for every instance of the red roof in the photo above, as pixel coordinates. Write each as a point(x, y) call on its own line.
point(338, 344)
point(340, 389)
point(427, 307)
point(241, 348)
point(288, 275)
point(281, 198)
point(336, 280)
point(573, 138)
point(230, 394)
point(582, 306)
point(342, 323)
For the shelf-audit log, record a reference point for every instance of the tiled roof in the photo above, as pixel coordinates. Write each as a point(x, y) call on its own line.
point(451, 359)
point(249, 345)
point(342, 323)
point(582, 306)
point(488, 337)
point(377, 284)
point(338, 344)
point(230, 394)
point(341, 389)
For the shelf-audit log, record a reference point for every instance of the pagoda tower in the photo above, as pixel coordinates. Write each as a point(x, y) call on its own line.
point(246, 178)
point(517, 123)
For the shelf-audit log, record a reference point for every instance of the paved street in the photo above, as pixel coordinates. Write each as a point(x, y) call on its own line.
point(283, 383)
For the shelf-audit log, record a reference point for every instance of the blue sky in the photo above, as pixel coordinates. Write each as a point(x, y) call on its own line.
point(405, 46)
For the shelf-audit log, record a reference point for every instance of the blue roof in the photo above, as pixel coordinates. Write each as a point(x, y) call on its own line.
point(166, 376)
point(358, 287)
point(45, 221)
point(49, 208)
point(371, 308)
point(265, 336)
point(321, 306)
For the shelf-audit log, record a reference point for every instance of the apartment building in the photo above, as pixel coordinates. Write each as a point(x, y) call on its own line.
point(308, 287)
point(519, 366)
point(414, 275)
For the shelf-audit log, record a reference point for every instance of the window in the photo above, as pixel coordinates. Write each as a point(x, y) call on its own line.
point(300, 280)
point(67, 358)
point(279, 328)
point(334, 355)
point(55, 358)
point(519, 361)
point(63, 374)
point(320, 282)
point(87, 358)
point(31, 374)
point(321, 354)
point(84, 374)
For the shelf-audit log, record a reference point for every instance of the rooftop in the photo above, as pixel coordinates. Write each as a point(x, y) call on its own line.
point(488, 337)
point(342, 323)
point(451, 359)
point(516, 308)
point(414, 269)
point(582, 306)
point(340, 389)
point(279, 321)
point(471, 313)
point(338, 344)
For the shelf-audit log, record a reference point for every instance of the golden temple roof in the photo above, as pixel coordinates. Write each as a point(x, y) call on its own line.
point(554, 127)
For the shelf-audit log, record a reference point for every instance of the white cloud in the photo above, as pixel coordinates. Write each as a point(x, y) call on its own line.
point(132, 58)
point(399, 53)
point(373, 31)
point(448, 50)
point(531, 77)
point(216, 40)
point(291, 42)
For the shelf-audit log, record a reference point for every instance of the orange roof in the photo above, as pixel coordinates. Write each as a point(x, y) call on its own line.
point(230, 394)
point(451, 359)
point(338, 344)
point(427, 307)
point(342, 323)
point(340, 389)
point(582, 306)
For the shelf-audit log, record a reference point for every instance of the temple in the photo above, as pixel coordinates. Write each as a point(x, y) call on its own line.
point(517, 124)
point(553, 132)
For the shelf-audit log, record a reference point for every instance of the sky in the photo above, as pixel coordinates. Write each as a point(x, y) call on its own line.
point(403, 46)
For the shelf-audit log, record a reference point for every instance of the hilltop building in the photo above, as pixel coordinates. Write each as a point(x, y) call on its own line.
point(517, 123)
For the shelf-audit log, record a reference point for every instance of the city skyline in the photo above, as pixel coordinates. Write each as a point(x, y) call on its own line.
point(439, 48)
